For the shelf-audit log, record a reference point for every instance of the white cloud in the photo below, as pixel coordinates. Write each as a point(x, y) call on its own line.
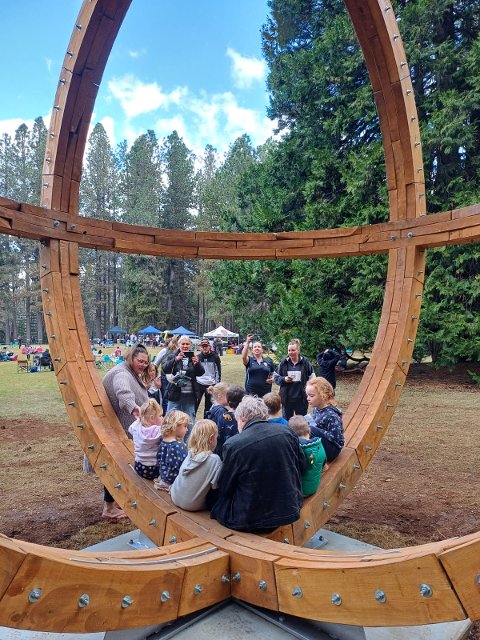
point(245, 71)
point(200, 119)
point(137, 97)
point(49, 62)
point(10, 126)
point(137, 54)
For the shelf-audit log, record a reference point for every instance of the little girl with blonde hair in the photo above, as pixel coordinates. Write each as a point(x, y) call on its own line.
point(172, 450)
point(146, 434)
point(194, 487)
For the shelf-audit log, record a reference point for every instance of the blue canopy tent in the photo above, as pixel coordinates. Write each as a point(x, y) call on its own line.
point(180, 331)
point(148, 330)
point(116, 331)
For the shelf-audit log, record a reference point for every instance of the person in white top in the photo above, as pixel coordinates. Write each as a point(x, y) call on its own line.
point(146, 434)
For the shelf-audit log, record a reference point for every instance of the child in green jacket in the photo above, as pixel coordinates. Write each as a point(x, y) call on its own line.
point(313, 451)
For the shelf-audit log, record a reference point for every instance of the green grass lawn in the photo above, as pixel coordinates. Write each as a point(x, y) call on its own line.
point(36, 395)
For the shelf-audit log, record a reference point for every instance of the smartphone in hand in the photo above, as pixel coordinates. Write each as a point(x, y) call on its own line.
point(188, 354)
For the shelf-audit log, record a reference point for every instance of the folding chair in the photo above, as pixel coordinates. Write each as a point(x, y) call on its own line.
point(23, 366)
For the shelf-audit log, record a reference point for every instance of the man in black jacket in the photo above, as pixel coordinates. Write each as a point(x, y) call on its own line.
point(260, 485)
point(213, 374)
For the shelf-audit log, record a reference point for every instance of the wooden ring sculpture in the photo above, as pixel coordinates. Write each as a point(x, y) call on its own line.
point(57, 590)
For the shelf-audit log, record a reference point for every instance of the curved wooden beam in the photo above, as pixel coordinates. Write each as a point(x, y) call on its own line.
point(460, 226)
point(429, 583)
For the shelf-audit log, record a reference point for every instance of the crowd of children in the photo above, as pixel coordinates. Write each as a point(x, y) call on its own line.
point(190, 471)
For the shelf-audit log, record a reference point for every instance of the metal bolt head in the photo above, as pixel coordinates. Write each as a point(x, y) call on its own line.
point(307, 524)
point(342, 485)
point(336, 599)
point(477, 580)
point(127, 601)
point(236, 576)
point(380, 596)
point(34, 595)
point(198, 589)
point(393, 237)
point(297, 592)
point(153, 523)
point(326, 504)
point(286, 541)
point(225, 579)
point(83, 601)
point(56, 223)
point(133, 504)
point(165, 596)
point(173, 540)
point(410, 234)
point(262, 585)
point(426, 590)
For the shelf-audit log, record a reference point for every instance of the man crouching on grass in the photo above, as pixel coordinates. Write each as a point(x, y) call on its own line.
point(260, 485)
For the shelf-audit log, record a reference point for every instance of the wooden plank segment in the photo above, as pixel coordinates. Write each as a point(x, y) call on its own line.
point(154, 249)
point(238, 254)
point(336, 484)
point(66, 288)
point(11, 557)
point(145, 506)
point(52, 327)
point(387, 148)
point(462, 565)
point(203, 585)
point(62, 584)
point(366, 30)
point(332, 595)
point(391, 46)
point(251, 569)
point(82, 37)
point(472, 210)
point(80, 319)
point(464, 236)
point(367, 437)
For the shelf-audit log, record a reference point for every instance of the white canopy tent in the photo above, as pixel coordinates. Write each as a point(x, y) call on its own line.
point(221, 332)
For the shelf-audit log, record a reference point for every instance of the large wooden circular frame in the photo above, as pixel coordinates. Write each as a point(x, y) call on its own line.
point(201, 562)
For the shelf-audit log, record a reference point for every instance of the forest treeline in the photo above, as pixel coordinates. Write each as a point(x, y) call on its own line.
point(324, 169)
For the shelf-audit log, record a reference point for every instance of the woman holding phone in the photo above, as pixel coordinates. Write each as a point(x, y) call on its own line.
point(182, 369)
point(259, 369)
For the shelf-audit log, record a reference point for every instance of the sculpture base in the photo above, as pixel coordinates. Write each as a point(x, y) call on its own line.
point(234, 619)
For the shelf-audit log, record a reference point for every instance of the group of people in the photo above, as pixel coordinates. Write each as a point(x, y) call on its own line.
point(255, 453)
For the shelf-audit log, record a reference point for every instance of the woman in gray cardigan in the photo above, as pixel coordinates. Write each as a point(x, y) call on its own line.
point(127, 393)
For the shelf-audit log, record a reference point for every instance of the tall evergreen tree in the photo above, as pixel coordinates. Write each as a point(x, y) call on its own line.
point(100, 198)
point(141, 189)
point(179, 295)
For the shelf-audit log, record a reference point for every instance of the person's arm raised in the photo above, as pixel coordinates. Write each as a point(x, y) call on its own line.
point(248, 339)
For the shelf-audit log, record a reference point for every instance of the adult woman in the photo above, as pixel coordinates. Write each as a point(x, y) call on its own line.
point(326, 420)
point(292, 375)
point(259, 369)
point(127, 393)
point(182, 368)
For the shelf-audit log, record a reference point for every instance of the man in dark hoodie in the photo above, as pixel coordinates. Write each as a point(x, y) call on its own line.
point(327, 361)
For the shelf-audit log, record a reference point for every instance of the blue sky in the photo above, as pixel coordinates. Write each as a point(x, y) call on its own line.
point(190, 65)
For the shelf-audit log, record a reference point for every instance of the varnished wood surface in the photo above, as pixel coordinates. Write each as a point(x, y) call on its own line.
point(200, 561)
point(459, 226)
